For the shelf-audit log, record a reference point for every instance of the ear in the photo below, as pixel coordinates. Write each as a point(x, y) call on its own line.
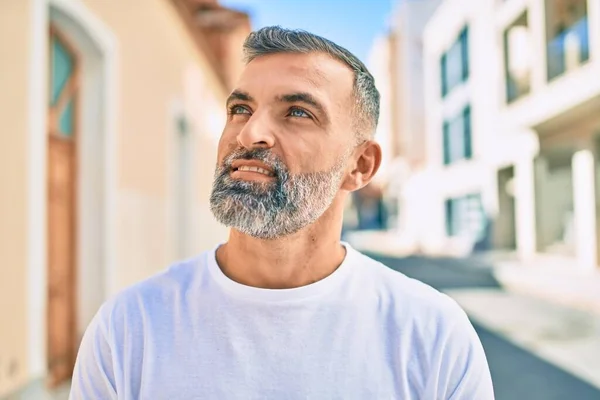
point(367, 162)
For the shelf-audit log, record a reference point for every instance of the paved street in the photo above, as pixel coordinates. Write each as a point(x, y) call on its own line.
point(517, 373)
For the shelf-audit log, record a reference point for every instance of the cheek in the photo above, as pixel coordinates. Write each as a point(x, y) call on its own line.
point(303, 155)
point(292, 153)
point(227, 144)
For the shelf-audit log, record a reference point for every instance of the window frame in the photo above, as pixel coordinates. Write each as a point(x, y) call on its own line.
point(467, 136)
point(462, 41)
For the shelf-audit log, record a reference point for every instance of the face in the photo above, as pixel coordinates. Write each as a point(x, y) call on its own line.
point(284, 150)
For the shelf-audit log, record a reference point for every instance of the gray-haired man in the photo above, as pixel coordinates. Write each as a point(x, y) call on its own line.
point(283, 309)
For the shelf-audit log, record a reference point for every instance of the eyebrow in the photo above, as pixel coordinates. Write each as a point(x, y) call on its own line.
point(238, 95)
point(303, 97)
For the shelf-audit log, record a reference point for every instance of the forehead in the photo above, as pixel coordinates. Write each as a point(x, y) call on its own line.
point(318, 73)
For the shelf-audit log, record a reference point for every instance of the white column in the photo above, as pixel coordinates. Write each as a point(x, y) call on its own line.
point(538, 57)
point(584, 200)
point(524, 188)
point(593, 7)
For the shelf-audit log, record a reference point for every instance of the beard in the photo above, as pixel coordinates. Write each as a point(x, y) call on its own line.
point(274, 209)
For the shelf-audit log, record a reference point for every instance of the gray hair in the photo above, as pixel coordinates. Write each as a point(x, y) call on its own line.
point(274, 39)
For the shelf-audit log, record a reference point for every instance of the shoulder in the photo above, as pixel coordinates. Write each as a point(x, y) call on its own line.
point(155, 294)
point(435, 329)
point(399, 288)
point(431, 317)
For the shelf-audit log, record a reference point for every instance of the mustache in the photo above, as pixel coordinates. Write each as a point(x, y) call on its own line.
point(263, 155)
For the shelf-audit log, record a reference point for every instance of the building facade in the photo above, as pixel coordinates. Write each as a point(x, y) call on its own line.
point(551, 65)
point(396, 62)
point(453, 201)
point(112, 111)
point(510, 129)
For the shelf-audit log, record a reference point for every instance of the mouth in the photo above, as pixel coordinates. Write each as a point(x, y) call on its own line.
point(251, 169)
point(259, 170)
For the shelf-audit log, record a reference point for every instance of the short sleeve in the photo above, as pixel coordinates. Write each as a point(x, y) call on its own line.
point(460, 368)
point(93, 376)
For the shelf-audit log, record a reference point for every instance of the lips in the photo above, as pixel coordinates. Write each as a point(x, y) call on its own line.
point(254, 169)
point(252, 166)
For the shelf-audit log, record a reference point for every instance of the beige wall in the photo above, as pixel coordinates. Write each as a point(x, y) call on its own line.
point(155, 50)
point(14, 51)
point(154, 55)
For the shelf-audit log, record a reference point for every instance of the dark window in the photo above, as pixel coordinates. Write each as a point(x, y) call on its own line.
point(465, 216)
point(444, 80)
point(446, 143)
point(467, 132)
point(450, 218)
point(464, 46)
point(454, 63)
point(457, 137)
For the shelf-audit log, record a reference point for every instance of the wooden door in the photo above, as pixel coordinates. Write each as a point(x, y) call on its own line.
point(62, 173)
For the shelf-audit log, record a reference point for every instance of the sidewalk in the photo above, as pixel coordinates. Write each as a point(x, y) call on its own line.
point(37, 391)
point(552, 278)
point(560, 335)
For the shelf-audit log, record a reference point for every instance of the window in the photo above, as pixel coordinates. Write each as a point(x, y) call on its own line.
point(517, 61)
point(443, 70)
point(465, 216)
point(63, 87)
point(457, 137)
point(454, 64)
point(567, 35)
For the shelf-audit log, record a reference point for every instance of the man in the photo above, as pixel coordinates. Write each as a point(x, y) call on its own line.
point(284, 310)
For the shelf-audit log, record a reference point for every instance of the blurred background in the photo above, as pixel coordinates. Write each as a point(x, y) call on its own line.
point(490, 124)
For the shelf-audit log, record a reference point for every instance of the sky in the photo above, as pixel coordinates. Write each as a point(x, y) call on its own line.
point(353, 24)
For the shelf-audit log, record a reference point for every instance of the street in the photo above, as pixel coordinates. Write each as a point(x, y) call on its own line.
point(517, 373)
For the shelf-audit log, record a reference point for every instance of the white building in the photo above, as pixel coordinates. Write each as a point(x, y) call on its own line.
point(558, 99)
point(512, 105)
point(396, 62)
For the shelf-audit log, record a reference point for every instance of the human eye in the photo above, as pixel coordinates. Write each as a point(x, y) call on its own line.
point(237, 109)
point(297, 112)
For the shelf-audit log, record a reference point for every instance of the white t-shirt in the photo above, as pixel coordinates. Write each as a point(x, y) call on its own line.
point(364, 332)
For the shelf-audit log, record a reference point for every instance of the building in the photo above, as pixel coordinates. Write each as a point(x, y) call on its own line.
point(370, 202)
point(556, 96)
point(511, 124)
point(396, 62)
point(452, 201)
point(111, 113)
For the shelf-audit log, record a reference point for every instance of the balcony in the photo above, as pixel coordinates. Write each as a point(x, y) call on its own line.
point(569, 49)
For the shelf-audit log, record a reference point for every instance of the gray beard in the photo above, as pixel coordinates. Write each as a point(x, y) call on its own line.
point(271, 210)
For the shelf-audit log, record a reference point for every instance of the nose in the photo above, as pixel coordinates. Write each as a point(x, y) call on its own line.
point(257, 133)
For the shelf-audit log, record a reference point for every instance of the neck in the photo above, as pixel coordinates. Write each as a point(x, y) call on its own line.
point(293, 261)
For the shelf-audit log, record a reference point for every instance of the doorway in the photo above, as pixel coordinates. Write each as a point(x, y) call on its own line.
point(63, 73)
point(505, 229)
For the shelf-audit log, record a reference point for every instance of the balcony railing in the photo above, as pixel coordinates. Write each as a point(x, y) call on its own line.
point(569, 49)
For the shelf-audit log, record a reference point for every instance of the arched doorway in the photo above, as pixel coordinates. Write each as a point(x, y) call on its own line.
point(63, 132)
